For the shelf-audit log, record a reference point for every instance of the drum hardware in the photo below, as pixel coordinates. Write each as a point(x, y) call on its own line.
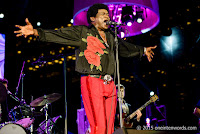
point(50, 124)
point(21, 111)
point(45, 101)
point(22, 114)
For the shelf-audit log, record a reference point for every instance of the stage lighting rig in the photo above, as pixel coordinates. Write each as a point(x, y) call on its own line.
point(127, 15)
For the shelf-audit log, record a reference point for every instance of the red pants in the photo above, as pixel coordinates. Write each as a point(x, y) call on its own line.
point(100, 102)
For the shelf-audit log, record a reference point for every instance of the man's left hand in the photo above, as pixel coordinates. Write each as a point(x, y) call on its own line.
point(149, 53)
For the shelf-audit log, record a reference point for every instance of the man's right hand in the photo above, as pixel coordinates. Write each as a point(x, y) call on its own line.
point(26, 30)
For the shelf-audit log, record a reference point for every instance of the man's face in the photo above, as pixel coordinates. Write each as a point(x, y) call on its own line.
point(122, 92)
point(100, 20)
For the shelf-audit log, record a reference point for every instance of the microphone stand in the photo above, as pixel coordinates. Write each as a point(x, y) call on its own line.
point(118, 77)
point(22, 94)
point(21, 76)
point(13, 96)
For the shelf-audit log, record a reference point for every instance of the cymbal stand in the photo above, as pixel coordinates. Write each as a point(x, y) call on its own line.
point(31, 127)
point(45, 108)
point(46, 117)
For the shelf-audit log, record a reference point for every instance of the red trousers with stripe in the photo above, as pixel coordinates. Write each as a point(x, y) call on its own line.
point(100, 103)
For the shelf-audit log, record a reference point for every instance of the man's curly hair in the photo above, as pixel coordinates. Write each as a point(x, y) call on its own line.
point(93, 10)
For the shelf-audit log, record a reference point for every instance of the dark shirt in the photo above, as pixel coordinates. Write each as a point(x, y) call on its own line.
point(3, 102)
point(3, 93)
point(77, 35)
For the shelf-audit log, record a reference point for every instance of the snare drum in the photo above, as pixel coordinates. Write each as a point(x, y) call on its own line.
point(12, 128)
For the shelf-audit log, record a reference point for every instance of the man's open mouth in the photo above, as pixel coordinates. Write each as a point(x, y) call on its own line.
point(105, 21)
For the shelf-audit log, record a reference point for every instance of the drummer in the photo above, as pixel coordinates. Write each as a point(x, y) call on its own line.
point(3, 100)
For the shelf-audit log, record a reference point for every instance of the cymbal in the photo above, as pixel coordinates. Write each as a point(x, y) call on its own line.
point(46, 99)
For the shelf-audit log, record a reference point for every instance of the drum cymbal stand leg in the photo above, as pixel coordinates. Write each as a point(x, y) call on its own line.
point(31, 129)
point(46, 116)
point(45, 109)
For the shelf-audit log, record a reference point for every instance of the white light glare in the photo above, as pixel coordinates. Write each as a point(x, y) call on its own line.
point(122, 34)
point(148, 121)
point(38, 23)
point(145, 30)
point(139, 20)
point(72, 21)
point(1, 15)
point(172, 45)
point(129, 24)
point(151, 93)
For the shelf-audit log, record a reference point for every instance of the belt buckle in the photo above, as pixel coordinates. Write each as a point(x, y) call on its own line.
point(107, 79)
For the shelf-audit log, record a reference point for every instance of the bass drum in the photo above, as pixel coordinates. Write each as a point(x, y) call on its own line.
point(12, 128)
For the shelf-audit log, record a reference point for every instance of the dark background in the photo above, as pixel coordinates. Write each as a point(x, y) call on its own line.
point(180, 94)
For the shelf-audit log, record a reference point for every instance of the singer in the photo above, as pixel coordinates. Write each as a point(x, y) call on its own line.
point(95, 60)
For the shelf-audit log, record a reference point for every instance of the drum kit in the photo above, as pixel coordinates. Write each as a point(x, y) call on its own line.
point(23, 116)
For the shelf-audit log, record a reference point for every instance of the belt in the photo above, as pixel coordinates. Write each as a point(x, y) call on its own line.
point(94, 75)
point(107, 78)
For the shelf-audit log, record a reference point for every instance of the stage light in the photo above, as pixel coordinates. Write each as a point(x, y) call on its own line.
point(148, 122)
point(127, 15)
point(72, 21)
point(139, 14)
point(129, 23)
point(69, 25)
point(172, 46)
point(123, 12)
point(122, 34)
point(1, 15)
point(151, 93)
point(38, 23)
point(139, 20)
point(56, 61)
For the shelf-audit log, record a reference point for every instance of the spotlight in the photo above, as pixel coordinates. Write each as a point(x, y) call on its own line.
point(139, 20)
point(129, 23)
point(1, 15)
point(72, 21)
point(122, 34)
point(151, 93)
point(148, 122)
point(38, 23)
point(139, 16)
point(127, 15)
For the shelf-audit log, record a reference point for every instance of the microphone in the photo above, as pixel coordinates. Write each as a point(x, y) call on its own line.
point(114, 23)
